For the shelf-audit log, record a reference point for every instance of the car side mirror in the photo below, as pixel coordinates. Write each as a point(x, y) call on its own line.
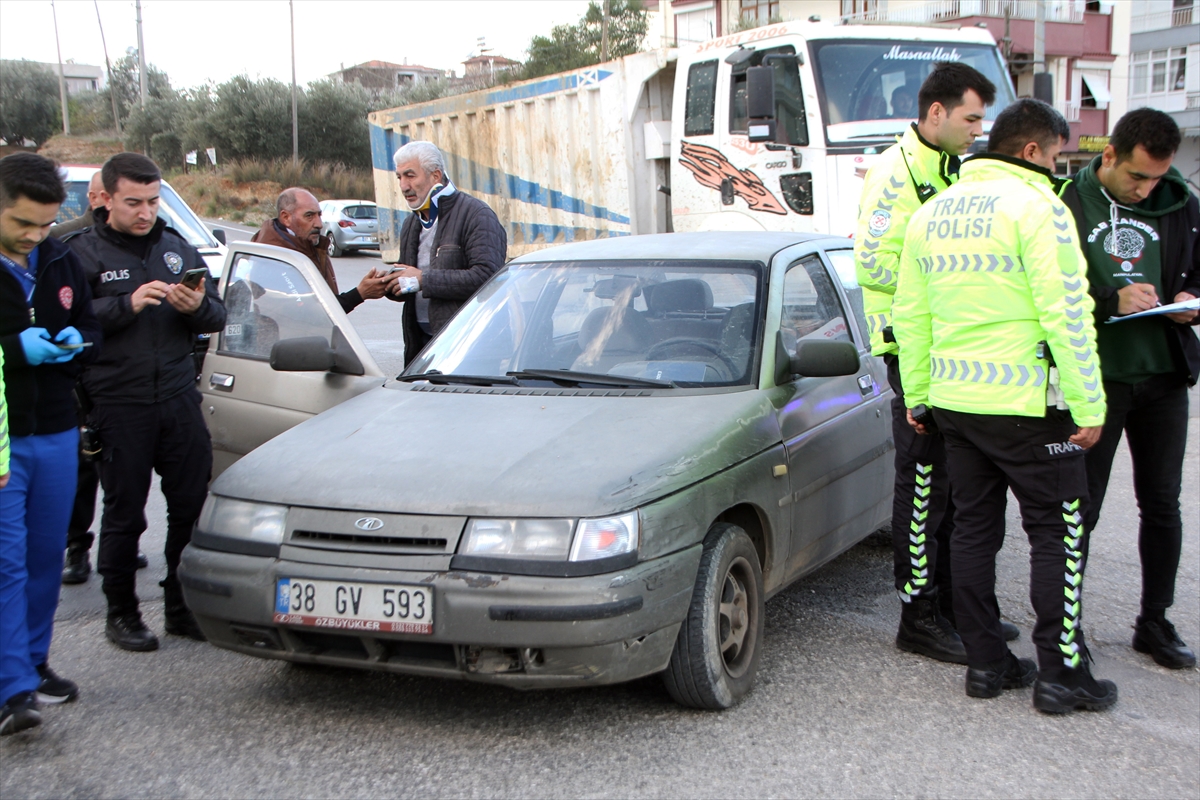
point(314, 354)
point(824, 359)
point(219, 235)
point(302, 354)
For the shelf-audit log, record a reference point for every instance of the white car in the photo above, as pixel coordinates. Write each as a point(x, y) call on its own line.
point(210, 243)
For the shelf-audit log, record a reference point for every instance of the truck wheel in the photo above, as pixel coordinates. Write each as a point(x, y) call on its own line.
point(716, 654)
point(334, 250)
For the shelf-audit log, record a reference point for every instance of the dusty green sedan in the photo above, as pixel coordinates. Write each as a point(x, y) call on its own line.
point(601, 469)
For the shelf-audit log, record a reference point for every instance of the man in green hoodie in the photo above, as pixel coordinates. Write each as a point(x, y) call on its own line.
point(1138, 226)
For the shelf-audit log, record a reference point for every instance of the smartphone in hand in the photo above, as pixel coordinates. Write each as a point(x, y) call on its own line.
point(192, 278)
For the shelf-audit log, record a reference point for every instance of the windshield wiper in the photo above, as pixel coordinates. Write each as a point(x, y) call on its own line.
point(433, 376)
point(573, 378)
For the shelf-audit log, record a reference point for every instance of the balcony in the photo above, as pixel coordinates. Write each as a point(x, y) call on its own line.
point(948, 10)
point(1174, 18)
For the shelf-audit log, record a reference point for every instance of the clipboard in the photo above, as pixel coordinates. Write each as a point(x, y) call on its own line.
point(1186, 305)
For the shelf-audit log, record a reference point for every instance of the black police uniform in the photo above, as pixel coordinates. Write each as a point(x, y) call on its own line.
point(145, 404)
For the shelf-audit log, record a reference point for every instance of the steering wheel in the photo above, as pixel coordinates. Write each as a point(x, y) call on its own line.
point(680, 341)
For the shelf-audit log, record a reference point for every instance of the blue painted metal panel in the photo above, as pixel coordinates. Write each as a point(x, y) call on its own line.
point(472, 176)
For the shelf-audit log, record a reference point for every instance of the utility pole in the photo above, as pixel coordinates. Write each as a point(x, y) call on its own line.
point(141, 53)
point(112, 92)
point(604, 32)
point(62, 81)
point(295, 125)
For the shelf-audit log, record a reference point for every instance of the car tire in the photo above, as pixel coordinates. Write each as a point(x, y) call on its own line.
point(334, 250)
point(716, 654)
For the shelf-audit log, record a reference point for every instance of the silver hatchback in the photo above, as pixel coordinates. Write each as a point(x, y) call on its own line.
point(351, 225)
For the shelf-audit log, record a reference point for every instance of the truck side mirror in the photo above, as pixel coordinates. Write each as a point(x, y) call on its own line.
point(760, 103)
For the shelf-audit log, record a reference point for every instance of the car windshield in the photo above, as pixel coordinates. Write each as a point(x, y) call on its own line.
point(686, 323)
point(171, 208)
point(869, 88)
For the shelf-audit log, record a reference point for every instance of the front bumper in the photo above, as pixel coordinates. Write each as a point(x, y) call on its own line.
point(522, 631)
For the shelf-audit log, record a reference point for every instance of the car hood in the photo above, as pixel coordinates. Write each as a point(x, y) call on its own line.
point(399, 449)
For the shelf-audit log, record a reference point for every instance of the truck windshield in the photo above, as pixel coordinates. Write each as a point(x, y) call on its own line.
point(689, 323)
point(869, 88)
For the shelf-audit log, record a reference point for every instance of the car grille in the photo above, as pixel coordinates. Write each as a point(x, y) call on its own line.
point(373, 532)
point(299, 537)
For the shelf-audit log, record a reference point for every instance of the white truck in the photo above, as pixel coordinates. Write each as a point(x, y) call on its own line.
point(772, 128)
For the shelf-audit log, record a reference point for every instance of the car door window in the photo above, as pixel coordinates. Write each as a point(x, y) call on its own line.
point(843, 265)
point(267, 300)
point(792, 127)
point(812, 309)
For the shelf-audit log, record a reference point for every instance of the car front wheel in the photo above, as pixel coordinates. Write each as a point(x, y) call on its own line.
point(334, 250)
point(716, 655)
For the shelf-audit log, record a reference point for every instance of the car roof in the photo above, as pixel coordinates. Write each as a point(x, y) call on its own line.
point(706, 246)
point(348, 202)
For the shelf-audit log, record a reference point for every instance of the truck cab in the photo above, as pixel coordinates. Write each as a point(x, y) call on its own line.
point(841, 94)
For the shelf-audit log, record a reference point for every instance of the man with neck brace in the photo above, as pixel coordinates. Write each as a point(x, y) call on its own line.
point(449, 246)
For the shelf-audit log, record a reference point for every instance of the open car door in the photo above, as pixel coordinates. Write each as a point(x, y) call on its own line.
point(274, 295)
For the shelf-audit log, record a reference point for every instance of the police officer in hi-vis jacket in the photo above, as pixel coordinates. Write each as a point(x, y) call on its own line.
point(924, 161)
point(994, 319)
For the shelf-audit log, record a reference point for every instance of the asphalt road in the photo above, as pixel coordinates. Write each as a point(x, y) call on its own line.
point(837, 710)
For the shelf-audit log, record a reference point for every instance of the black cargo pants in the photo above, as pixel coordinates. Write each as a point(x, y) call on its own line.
point(79, 535)
point(987, 455)
point(169, 438)
point(922, 509)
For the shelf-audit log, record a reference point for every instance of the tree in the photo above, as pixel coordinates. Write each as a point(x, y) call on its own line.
point(159, 116)
point(574, 46)
point(333, 124)
point(253, 119)
point(124, 81)
point(29, 102)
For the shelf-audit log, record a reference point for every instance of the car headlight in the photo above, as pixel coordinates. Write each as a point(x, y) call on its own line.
point(238, 519)
point(551, 539)
point(548, 539)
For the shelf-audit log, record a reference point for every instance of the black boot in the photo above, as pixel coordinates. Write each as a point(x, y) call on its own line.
point(1058, 691)
point(1010, 672)
point(180, 621)
point(124, 627)
point(1153, 634)
point(126, 630)
point(924, 630)
point(78, 566)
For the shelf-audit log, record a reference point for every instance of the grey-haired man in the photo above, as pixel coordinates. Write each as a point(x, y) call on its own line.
point(450, 245)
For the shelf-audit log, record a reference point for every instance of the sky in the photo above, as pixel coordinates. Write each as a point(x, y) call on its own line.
point(195, 41)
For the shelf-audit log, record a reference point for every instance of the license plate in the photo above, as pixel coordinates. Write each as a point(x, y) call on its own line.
point(366, 607)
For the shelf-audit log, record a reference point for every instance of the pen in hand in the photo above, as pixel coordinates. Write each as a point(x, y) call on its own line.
point(1157, 303)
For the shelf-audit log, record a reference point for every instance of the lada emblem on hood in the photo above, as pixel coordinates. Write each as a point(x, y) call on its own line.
point(368, 524)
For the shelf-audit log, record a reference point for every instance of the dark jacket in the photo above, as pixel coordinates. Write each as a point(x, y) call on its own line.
point(39, 398)
point(469, 246)
point(148, 356)
point(273, 233)
point(1180, 232)
point(84, 220)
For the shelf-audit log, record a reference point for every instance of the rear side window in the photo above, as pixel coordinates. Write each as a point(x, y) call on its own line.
point(701, 99)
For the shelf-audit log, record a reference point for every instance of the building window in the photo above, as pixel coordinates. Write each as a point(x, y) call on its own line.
point(697, 24)
point(1181, 14)
point(865, 9)
point(760, 11)
point(1159, 71)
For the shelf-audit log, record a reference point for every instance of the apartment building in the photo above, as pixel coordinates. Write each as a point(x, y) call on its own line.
point(1164, 70)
